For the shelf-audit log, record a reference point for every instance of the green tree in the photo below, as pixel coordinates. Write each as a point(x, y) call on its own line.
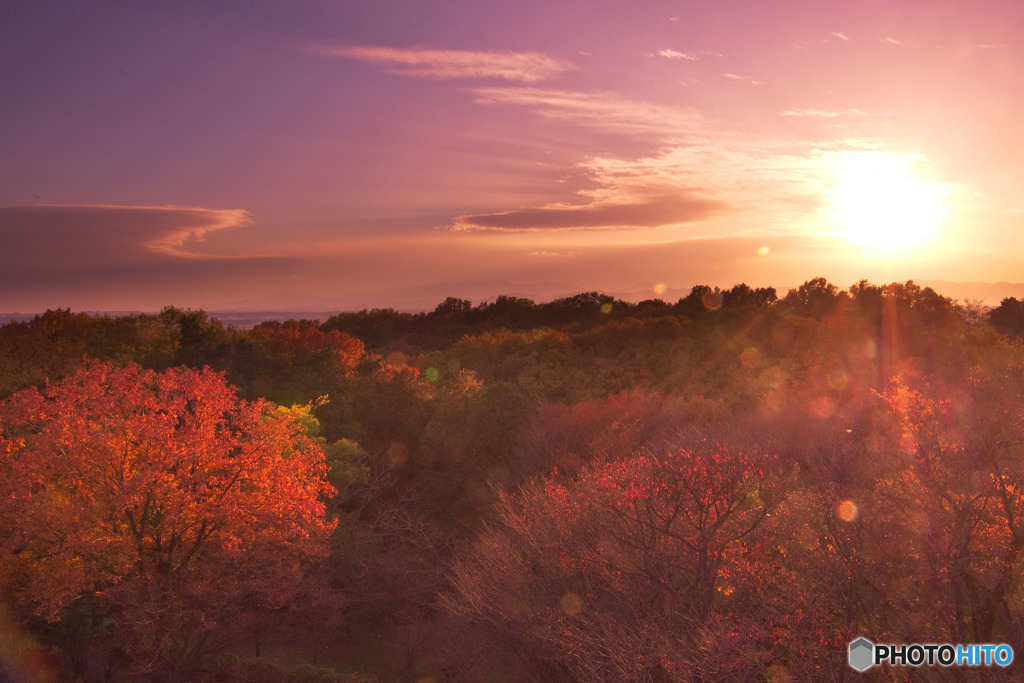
point(1008, 317)
point(815, 298)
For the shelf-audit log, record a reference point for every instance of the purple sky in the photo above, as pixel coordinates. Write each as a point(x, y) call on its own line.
point(317, 155)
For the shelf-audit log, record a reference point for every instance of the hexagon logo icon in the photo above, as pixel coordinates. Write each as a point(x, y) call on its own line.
point(861, 654)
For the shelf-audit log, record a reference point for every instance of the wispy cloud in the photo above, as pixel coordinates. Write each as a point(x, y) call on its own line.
point(525, 67)
point(672, 54)
point(700, 171)
point(841, 36)
point(821, 113)
point(739, 173)
point(889, 40)
point(741, 79)
point(600, 110)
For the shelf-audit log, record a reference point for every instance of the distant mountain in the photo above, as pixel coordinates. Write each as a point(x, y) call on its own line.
point(989, 293)
point(287, 300)
point(15, 317)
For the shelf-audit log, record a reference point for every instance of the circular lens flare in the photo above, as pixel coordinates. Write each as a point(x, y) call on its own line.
point(847, 510)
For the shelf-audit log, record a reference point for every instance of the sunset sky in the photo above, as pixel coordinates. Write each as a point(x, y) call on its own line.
point(315, 154)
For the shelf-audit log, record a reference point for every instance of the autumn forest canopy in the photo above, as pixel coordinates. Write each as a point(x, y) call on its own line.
point(732, 486)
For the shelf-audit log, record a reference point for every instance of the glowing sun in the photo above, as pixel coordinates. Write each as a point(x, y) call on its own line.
point(878, 204)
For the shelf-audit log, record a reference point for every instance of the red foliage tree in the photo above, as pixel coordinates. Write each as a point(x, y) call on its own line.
point(624, 573)
point(159, 502)
point(963, 477)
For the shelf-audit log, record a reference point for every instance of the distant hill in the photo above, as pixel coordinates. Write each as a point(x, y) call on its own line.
point(990, 293)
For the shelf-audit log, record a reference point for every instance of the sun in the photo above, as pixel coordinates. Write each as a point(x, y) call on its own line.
point(878, 204)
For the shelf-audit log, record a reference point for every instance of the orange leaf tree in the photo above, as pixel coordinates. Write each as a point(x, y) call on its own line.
point(159, 502)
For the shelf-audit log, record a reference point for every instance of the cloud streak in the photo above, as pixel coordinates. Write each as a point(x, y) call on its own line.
point(736, 78)
point(126, 257)
point(84, 235)
point(601, 110)
point(821, 113)
point(525, 67)
point(650, 212)
point(673, 54)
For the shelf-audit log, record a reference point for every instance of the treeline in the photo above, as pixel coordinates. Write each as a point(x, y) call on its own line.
point(734, 485)
point(454, 318)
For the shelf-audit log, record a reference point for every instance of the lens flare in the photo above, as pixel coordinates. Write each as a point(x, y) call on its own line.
point(847, 511)
point(712, 300)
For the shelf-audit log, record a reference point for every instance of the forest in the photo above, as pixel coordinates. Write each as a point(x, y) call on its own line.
point(732, 486)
